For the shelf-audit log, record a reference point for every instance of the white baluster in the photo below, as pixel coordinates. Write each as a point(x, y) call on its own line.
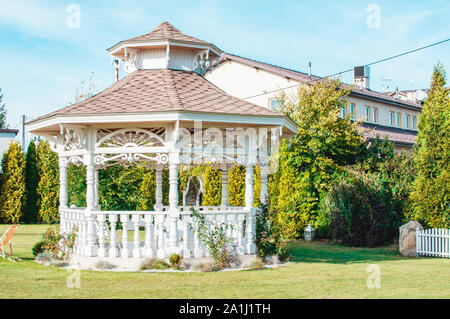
point(137, 238)
point(240, 237)
point(113, 252)
point(91, 247)
point(149, 236)
point(250, 232)
point(159, 224)
point(124, 221)
point(186, 250)
point(101, 235)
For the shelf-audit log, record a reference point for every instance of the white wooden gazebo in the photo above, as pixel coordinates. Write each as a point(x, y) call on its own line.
point(163, 114)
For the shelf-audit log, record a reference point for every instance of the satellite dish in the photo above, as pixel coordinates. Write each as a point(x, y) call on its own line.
point(421, 95)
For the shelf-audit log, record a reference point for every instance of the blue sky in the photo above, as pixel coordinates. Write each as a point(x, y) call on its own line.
point(43, 61)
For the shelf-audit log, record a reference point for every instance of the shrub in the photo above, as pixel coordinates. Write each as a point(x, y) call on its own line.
point(44, 257)
point(175, 261)
point(257, 264)
point(212, 187)
point(12, 193)
point(154, 263)
point(358, 211)
point(236, 186)
point(101, 264)
point(48, 186)
point(31, 183)
point(56, 244)
point(205, 267)
point(38, 248)
point(214, 238)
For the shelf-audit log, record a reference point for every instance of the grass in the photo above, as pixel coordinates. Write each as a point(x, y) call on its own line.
point(319, 270)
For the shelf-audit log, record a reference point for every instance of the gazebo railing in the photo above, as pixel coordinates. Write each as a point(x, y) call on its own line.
point(138, 234)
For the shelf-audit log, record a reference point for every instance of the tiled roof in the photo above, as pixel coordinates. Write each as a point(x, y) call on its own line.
point(396, 135)
point(165, 31)
point(160, 91)
point(7, 130)
point(304, 77)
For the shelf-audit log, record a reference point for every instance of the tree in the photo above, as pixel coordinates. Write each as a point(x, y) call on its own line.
point(313, 159)
point(48, 186)
point(76, 185)
point(32, 182)
point(212, 186)
point(2, 112)
point(13, 192)
point(431, 191)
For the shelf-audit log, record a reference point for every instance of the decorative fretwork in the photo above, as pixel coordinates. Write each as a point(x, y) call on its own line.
point(74, 138)
point(130, 145)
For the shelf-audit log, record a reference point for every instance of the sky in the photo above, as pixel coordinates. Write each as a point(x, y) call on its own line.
point(45, 54)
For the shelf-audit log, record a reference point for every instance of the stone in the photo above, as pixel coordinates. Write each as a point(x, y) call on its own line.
point(407, 238)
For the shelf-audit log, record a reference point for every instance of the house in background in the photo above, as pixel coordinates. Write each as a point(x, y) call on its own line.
point(6, 136)
point(380, 113)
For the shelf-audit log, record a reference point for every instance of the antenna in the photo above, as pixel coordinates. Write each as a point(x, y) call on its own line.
point(385, 83)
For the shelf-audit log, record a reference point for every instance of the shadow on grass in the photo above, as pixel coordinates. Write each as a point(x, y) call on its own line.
point(326, 252)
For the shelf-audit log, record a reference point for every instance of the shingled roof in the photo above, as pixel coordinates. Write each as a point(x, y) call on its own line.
point(165, 31)
point(397, 135)
point(163, 90)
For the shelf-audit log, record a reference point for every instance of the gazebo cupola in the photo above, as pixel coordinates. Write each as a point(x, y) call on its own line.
point(165, 47)
point(163, 115)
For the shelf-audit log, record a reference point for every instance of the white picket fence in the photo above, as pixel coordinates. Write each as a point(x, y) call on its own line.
point(433, 242)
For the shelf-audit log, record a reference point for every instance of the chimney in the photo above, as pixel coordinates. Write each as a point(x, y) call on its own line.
point(309, 69)
point(361, 76)
point(396, 92)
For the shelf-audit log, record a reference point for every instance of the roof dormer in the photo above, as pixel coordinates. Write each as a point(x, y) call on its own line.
point(165, 47)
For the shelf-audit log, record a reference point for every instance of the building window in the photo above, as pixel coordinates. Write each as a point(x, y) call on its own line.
point(367, 113)
point(408, 118)
point(352, 111)
point(343, 112)
point(391, 118)
point(399, 120)
point(375, 115)
point(275, 104)
point(414, 123)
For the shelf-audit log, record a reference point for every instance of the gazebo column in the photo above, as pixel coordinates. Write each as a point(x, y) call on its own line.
point(224, 186)
point(158, 190)
point(249, 186)
point(250, 224)
point(96, 196)
point(173, 207)
point(63, 196)
point(263, 179)
point(91, 246)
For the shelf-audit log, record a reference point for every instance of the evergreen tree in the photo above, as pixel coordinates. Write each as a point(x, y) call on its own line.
point(431, 190)
point(76, 185)
point(32, 181)
point(13, 193)
point(2, 112)
point(48, 186)
point(212, 187)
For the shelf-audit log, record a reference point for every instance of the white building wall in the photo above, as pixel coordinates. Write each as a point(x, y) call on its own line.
point(244, 81)
point(5, 140)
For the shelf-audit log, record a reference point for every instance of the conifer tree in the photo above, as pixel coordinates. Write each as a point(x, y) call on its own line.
point(32, 181)
point(48, 186)
point(13, 193)
point(2, 112)
point(431, 189)
point(212, 187)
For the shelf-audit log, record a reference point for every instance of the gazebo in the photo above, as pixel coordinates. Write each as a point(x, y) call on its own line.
point(163, 114)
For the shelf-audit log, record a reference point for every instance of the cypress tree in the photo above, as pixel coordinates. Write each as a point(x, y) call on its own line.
point(13, 193)
point(48, 186)
point(431, 189)
point(32, 181)
point(212, 187)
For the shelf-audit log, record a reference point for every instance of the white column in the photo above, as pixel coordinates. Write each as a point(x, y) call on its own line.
point(91, 246)
point(173, 207)
point(158, 190)
point(63, 197)
point(249, 186)
point(263, 178)
point(96, 188)
point(224, 187)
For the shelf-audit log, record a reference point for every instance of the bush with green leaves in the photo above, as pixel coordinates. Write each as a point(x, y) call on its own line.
point(31, 183)
point(358, 211)
point(214, 237)
point(175, 261)
point(212, 187)
point(38, 247)
point(76, 185)
point(154, 263)
point(13, 191)
point(48, 186)
point(56, 244)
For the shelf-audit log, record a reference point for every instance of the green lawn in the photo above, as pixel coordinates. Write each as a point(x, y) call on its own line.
point(319, 270)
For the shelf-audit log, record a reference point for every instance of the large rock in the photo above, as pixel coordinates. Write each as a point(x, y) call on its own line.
point(407, 239)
